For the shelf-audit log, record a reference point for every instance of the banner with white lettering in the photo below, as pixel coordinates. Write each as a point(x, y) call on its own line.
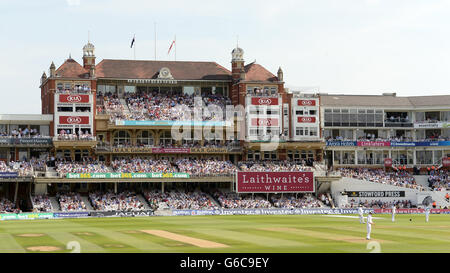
point(266, 182)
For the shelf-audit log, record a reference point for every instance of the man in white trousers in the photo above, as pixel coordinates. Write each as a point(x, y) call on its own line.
point(361, 215)
point(369, 225)
point(394, 211)
point(427, 214)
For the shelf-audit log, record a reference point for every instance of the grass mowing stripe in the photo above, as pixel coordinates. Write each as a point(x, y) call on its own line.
point(322, 235)
point(9, 245)
point(250, 238)
point(185, 239)
point(130, 240)
point(403, 234)
point(85, 246)
point(109, 243)
point(41, 241)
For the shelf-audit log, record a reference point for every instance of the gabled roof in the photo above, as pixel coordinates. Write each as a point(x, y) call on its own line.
point(180, 70)
point(257, 73)
point(71, 69)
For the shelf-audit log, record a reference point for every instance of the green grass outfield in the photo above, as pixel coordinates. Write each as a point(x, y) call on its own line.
point(241, 234)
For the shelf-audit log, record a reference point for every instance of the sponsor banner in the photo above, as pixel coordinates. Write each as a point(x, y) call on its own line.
point(275, 182)
point(74, 98)
point(26, 141)
point(306, 119)
point(420, 143)
point(374, 143)
point(446, 161)
point(171, 123)
point(71, 214)
point(121, 213)
point(387, 143)
point(375, 194)
point(125, 175)
point(433, 143)
point(26, 216)
point(432, 125)
point(171, 150)
point(264, 122)
point(306, 103)
point(33, 141)
point(341, 143)
point(209, 150)
point(402, 144)
point(264, 101)
point(9, 174)
point(73, 120)
point(412, 211)
point(298, 211)
point(388, 162)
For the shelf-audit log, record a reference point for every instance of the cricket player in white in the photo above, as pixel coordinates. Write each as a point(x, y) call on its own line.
point(369, 225)
point(361, 215)
point(427, 213)
point(394, 210)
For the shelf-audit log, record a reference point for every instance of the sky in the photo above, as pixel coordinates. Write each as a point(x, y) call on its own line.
point(328, 46)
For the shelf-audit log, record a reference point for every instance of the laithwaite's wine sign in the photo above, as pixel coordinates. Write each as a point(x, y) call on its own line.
point(275, 182)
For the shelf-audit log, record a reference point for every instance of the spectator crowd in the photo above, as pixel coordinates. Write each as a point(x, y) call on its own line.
point(157, 106)
point(63, 167)
point(379, 204)
point(41, 203)
point(398, 178)
point(232, 200)
point(439, 180)
point(180, 200)
point(71, 201)
point(124, 201)
point(290, 201)
point(6, 206)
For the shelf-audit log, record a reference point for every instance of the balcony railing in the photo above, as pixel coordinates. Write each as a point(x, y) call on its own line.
point(389, 123)
point(33, 141)
point(105, 147)
point(74, 138)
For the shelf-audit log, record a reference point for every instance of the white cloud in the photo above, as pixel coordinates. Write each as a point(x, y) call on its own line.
point(73, 2)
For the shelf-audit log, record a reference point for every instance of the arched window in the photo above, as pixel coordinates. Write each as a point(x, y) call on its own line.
point(122, 138)
point(166, 139)
point(145, 138)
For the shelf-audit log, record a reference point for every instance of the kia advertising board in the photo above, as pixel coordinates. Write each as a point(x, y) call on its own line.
point(266, 182)
point(306, 119)
point(264, 101)
point(388, 162)
point(74, 98)
point(264, 122)
point(306, 103)
point(73, 120)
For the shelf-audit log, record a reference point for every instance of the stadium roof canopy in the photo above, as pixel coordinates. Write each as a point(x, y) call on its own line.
point(180, 70)
point(385, 100)
point(26, 118)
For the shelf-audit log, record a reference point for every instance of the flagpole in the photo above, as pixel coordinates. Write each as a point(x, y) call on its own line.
point(155, 39)
point(175, 48)
point(135, 48)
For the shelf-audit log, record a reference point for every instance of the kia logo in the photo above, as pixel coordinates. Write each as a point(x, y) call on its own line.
point(307, 119)
point(307, 102)
point(264, 101)
point(74, 120)
point(73, 98)
point(265, 122)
